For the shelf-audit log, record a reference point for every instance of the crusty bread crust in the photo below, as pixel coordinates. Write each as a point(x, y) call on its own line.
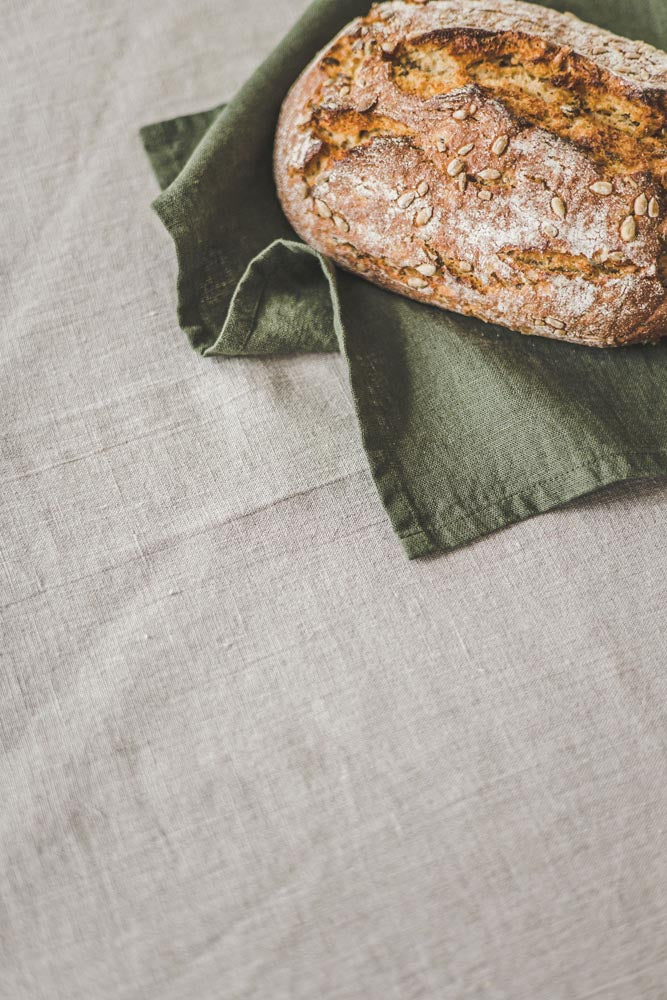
point(491, 157)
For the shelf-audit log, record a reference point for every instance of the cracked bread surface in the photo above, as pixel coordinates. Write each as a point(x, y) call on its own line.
point(498, 159)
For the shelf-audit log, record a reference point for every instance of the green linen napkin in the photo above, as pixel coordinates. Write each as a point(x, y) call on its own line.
point(467, 427)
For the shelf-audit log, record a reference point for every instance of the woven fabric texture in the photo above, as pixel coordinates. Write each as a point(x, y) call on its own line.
point(248, 750)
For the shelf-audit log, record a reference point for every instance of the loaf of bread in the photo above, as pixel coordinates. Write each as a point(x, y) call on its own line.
point(491, 157)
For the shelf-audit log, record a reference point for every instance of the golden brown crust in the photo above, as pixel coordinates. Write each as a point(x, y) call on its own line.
point(491, 157)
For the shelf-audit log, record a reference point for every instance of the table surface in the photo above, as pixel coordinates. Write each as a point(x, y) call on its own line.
point(247, 749)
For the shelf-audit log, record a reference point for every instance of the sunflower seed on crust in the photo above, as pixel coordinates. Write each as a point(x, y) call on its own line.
point(406, 199)
point(558, 207)
point(423, 216)
point(629, 229)
point(554, 323)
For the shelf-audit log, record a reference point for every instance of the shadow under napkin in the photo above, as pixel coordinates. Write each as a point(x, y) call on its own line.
point(467, 427)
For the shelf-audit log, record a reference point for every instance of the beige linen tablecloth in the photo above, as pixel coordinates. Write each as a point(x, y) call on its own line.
point(247, 749)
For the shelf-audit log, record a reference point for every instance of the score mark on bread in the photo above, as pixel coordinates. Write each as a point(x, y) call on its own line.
point(504, 161)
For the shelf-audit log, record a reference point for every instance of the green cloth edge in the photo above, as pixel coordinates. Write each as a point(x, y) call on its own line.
point(535, 498)
point(169, 146)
